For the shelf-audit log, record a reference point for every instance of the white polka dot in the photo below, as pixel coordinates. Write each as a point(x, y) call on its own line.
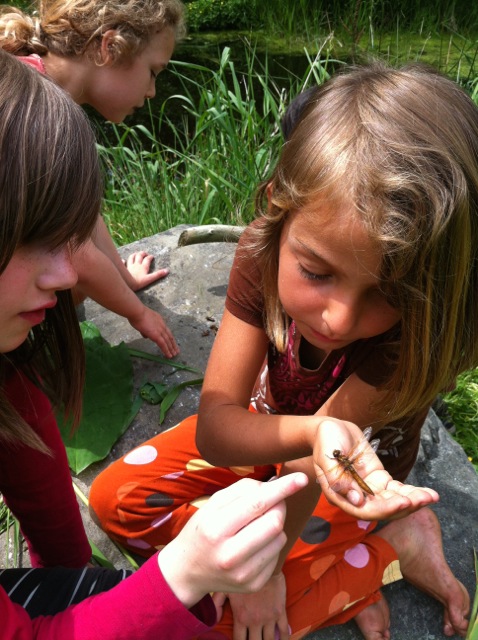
point(141, 455)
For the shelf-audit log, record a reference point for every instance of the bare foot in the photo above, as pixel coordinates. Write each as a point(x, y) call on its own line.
point(374, 621)
point(138, 264)
point(417, 541)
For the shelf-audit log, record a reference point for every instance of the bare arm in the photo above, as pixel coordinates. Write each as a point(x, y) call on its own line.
point(99, 279)
point(136, 271)
point(228, 433)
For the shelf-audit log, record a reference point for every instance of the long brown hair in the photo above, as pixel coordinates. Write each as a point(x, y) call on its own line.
point(50, 192)
point(402, 146)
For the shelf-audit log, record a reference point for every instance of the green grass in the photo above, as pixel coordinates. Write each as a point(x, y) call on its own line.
point(199, 156)
point(221, 148)
point(462, 405)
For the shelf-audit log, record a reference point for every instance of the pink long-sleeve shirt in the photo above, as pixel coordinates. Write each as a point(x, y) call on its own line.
point(38, 489)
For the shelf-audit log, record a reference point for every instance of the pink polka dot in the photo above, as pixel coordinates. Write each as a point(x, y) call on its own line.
point(138, 544)
point(159, 521)
point(173, 476)
point(363, 524)
point(357, 556)
point(339, 602)
point(141, 455)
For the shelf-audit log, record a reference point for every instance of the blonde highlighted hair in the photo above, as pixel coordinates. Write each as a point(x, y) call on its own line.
point(70, 28)
point(50, 193)
point(402, 146)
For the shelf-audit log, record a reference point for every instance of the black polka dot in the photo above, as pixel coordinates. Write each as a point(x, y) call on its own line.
point(315, 531)
point(159, 500)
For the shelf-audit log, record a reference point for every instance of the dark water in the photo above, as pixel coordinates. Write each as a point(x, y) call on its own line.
point(279, 67)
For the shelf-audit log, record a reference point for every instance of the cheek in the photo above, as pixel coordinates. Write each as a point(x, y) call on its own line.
point(385, 319)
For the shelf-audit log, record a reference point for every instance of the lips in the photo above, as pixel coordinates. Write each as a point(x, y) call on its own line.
point(37, 316)
point(34, 317)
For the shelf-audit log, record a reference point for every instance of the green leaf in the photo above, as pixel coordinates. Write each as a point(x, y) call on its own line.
point(172, 394)
point(153, 392)
point(137, 353)
point(99, 557)
point(472, 633)
point(108, 403)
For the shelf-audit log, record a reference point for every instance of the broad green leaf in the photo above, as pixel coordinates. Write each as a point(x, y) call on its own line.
point(108, 404)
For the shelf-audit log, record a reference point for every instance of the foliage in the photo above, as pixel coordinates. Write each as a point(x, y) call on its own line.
point(10, 526)
point(219, 15)
point(164, 395)
point(108, 404)
point(472, 632)
point(462, 404)
point(294, 16)
point(223, 147)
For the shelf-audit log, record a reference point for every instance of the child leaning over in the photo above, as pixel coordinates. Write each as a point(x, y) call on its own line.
point(106, 55)
point(351, 297)
point(50, 195)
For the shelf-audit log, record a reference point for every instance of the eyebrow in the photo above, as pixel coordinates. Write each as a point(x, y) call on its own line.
point(313, 252)
point(327, 264)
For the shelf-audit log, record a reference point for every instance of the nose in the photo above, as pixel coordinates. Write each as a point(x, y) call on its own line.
point(151, 89)
point(341, 316)
point(58, 272)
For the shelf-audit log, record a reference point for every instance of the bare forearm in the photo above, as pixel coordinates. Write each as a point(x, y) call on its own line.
point(99, 280)
point(231, 435)
point(104, 243)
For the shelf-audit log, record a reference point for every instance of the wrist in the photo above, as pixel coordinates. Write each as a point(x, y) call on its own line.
point(178, 574)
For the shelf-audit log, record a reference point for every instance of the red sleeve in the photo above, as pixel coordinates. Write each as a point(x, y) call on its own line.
point(143, 606)
point(38, 487)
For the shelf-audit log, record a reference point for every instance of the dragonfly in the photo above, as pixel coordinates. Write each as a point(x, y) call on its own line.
point(357, 457)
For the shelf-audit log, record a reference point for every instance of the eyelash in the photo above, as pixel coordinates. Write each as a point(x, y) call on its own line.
point(308, 275)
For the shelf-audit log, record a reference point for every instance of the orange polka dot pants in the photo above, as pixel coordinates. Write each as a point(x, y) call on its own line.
point(333, 571)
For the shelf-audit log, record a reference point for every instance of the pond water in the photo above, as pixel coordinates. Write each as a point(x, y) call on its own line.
point(279, 62)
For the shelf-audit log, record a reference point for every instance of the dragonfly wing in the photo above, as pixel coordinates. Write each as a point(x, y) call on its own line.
point(361, 451)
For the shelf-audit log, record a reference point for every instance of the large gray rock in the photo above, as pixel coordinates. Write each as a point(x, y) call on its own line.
point(191, 301)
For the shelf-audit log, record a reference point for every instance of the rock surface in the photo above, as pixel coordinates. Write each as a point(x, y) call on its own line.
point(191, 301)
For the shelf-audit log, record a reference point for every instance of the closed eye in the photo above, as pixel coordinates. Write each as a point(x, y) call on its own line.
point(309, 275)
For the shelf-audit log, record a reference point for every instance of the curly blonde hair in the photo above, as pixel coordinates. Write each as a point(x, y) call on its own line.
point(70, 28)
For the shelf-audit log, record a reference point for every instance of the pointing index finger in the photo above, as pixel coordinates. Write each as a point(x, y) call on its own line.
point(253, 498)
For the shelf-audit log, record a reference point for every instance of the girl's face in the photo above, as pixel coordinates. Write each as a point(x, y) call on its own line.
point(329, 278)
point(27, 290)
point(117, 90)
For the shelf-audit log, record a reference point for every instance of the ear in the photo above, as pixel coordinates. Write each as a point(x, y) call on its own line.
point(107, 47)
